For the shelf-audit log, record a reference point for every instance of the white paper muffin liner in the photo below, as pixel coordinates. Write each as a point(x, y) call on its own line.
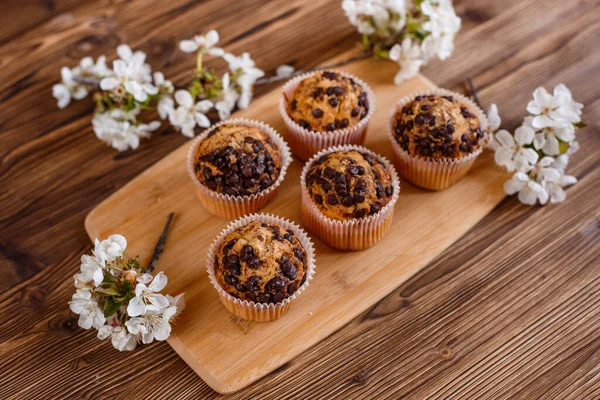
point(305, 143)
point(355, 233)
point(227, 206)
point(249, 310)
point(429, 173)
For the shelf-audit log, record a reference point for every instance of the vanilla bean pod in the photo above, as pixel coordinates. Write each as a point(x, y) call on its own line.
point(160, 245)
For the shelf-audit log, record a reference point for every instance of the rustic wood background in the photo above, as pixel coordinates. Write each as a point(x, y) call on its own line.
point(511, 310)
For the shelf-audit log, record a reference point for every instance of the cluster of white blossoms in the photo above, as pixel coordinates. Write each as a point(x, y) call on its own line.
point(409, 32)
point(129, 89)
point(118, 298)
point(208, 91)
point(538, 152)
point(122, 93)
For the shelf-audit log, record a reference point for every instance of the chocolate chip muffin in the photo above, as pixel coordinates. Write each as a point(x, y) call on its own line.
point(237, 160)
point(348, 184)
point(437, 127)
point(327, 101)
point(260, 262)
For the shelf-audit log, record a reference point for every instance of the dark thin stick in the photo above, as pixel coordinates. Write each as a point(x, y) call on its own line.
point(473, 92)
point(160, 245)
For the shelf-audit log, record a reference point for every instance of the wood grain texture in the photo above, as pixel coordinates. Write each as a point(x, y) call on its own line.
point(509, 311)
point(346, 284)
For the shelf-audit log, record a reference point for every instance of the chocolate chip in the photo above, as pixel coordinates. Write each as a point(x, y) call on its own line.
point(253, 282)
point(465, 147)
point(359, 198)
point(389, 191)
point(338, 90)
point(213, 132)
point(299, 254)
point(266, 182)
point(240, 288)
point(246, 252)
point(197, 167)
point(294, 105)
point(379, 190)
point(361, 212)
point(419, 119)
point(449, 98)
point(252, 262)
point(479, 133)
point(211, 184)
point(304, 124)
point(347, 201)
point(289, 269)
point(360, 185)
point(465, 112)
point(318, 92)
point(292, 287)
point(317, 113)
point(264, 298)
point(364, 114)
point(329, 172)
point(332, 200)
point(375, 208)
point(249, 139)
point(448, 151)
point(353, 170)
point(361, 170)
point(355, 111)
point(288, 236)
point(277, 284)
point(407, 110)
point(418, 98)
point(425, 107)
point(341, 179)
point(343, 123)
point(333, 102)
point(340, 189)
point(362, 100)
point(207, 173)
point(450, 128)
point(425, 151)
point(330, 127)
point(326, 185)
point(464, 137)
point(330, 75)
point(318, 199)
point(278, 297)
point(231, 280)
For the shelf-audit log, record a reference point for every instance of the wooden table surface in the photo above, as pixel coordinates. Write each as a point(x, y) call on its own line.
point(510, 310)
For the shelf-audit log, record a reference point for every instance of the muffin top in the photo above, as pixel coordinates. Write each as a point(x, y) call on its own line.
point(437, 127)
point(327, 101)
point(349, 184)
point(261, 262)
point(237, 160)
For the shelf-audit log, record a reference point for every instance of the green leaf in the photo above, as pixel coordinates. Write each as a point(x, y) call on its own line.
point(579, 125)
point(107, 291)
point(111, 307)
point(108, 278)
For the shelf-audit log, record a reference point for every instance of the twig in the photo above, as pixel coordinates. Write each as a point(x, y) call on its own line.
point(473, 92)
point(160, 245)
point(276, 78)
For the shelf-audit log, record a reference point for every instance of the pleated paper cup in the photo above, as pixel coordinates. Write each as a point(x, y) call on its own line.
point(249, 310)
point(429, 173)
point(227, 206)
point(305, 143)
point(355, 233)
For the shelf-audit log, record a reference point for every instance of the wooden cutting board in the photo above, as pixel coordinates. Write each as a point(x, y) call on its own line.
point(230, 353)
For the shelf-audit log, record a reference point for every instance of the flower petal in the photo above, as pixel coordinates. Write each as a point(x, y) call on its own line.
point(136, 307)
point(524, 135)
point(109, 83)
point(184, 98)
point(505, 138)
point(188, 46)
point(158, 283)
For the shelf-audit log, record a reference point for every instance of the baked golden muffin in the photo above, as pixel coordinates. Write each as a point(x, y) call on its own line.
point(237, 160)
point(261, 262)
point(437, 127)
point(348, 184)
point(348, 196)
point(327, 101)
point(436, 137)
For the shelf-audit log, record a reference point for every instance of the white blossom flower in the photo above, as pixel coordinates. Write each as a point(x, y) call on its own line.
point(88, 68)
point(161, 82)
point(165, 106)
point(529, 191)
point(91, 271)
point(408, 56)
point(551, 109)
point(147, 298)
point(494, 117)
point(117, 129)
point(554, 181)
point(154, 324)
point(90, 314)
point(512, 152)
point(205, 43)
point(228, 99)
point(188, 114)
point(547, 139)
point(68, 88)
point(111, 248)
point(284, 71)
point(442, 23)
point(127, 75)
point(569, 110)
point(141, 71)
point(244, 64)
point(120, 338)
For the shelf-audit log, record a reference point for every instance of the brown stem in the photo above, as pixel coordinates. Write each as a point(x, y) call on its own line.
point(94, 82)
point(160, 245)
point(473, 92)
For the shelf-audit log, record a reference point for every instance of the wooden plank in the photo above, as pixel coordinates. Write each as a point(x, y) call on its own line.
point(347, 283)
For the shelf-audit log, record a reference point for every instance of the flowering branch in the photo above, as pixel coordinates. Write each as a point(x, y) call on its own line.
point(410, 32)
point(539, 150)
point(120, 298)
